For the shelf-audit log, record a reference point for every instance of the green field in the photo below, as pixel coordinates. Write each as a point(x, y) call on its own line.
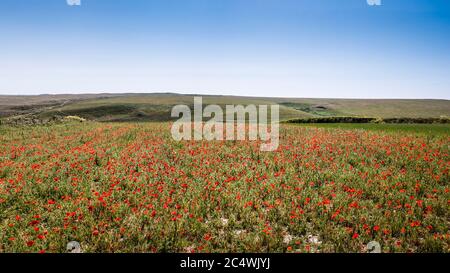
point(427, 129)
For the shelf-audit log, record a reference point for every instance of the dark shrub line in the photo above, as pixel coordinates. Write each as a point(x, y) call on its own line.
point(371, 120)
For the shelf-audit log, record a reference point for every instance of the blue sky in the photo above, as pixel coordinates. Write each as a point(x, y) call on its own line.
point(289, 48)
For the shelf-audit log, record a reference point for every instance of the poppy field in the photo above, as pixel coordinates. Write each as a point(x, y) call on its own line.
point(129, 187)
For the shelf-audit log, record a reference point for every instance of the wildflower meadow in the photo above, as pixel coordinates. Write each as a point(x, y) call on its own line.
point(129, 187)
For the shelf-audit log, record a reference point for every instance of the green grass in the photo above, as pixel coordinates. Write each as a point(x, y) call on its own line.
point(428, 129)
point(314, 110)
point(382, 108)
point(156, 107)
point(289, 108)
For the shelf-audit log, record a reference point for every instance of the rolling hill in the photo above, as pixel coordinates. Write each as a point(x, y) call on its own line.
point(157, 106)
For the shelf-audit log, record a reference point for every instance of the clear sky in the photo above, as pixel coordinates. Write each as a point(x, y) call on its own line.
point(289, 48)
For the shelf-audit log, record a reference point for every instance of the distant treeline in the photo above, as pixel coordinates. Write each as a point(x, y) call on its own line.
point(370, 120)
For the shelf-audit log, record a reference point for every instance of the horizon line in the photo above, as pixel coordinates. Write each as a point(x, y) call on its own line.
point(213, 95)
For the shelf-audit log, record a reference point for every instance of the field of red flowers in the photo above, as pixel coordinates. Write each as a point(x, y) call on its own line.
point(130, 188)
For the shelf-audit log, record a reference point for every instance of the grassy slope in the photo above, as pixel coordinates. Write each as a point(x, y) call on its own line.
point(145, 107)
point(383, 108)
point(156, 107)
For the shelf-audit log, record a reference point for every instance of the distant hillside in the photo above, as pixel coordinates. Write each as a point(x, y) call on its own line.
point(157, 107)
